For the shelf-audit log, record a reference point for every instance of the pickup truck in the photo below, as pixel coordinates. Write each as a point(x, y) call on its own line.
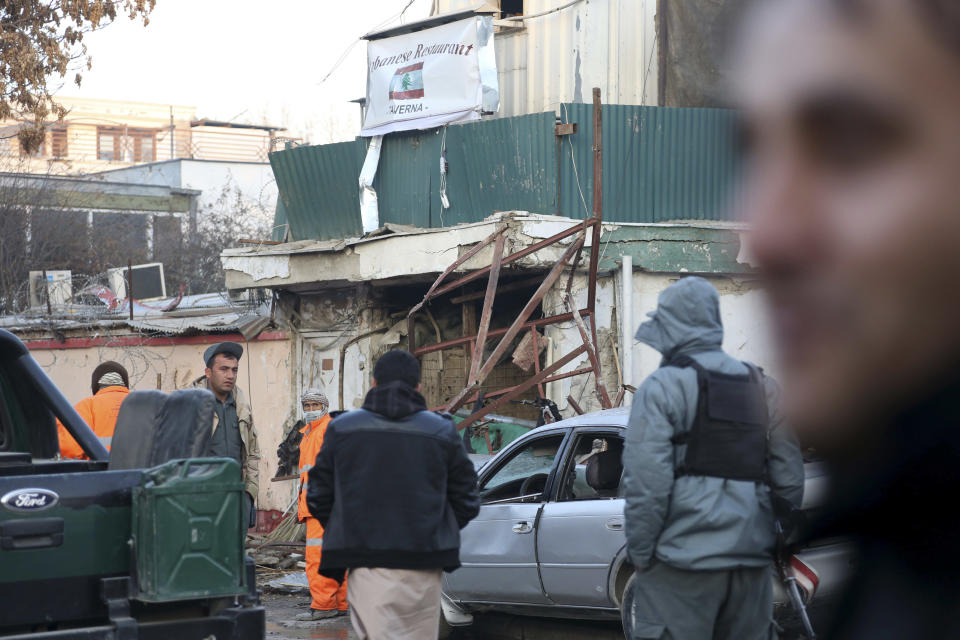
point(110, 547)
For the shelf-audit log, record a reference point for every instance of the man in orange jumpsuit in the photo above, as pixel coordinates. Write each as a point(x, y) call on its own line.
point(110, 385)
point(328, 598)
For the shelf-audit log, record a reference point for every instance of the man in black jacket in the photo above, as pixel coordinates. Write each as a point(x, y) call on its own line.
point(392, 487)
point(851, 117)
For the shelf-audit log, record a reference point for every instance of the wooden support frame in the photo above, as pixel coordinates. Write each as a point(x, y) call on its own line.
point(476, 380)
point(546, 373)
point(591, 353)
point(480, 369)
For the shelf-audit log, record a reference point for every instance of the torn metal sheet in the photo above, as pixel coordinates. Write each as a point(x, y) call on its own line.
point(369, 212)
point(260, 267)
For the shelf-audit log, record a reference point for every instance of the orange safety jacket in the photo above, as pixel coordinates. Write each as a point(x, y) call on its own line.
point(309, 448)
point(100, 413)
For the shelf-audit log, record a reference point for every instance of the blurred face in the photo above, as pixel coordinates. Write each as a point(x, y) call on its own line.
point(852, 131)
point(222, 374)
point(311, 405)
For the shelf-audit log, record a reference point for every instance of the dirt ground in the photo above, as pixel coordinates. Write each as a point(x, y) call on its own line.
point(281, 610)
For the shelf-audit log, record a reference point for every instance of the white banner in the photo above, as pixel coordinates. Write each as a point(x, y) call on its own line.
point(431, 77)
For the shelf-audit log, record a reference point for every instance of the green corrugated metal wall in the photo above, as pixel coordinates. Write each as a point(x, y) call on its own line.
point(319, 188)
point(659, 164)
point(280, 222)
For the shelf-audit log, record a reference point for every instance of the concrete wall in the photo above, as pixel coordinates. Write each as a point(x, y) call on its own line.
point(746, 334)
point(266, 376)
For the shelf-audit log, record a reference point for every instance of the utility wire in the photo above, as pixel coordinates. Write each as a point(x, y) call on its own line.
point(346, 52)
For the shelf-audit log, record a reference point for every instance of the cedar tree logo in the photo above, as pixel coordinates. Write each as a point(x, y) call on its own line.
point(407, 82)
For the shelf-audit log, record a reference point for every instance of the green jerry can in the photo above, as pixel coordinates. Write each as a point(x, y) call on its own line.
point(189, 528)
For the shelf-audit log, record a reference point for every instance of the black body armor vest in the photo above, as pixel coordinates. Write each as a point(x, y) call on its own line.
point(729, 436)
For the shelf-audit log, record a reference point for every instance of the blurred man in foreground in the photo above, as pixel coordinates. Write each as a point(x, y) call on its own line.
point(392, 487)
point(852, 130)
point(328, 598)
point(110, 384)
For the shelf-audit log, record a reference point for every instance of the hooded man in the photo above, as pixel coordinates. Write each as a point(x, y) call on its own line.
point(233, 435)
point(705, 450)
point(110, 384)
point(328, 598)
point(393, 486)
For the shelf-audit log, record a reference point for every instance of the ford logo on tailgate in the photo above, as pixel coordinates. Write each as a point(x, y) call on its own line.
point(30, 499)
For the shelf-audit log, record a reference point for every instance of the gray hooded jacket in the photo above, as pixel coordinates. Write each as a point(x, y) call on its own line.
point(696, 522)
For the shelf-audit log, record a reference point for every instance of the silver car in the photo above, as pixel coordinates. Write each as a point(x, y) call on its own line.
point(548, 543)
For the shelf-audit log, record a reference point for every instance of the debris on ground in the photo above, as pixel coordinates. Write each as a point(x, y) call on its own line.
point(279, 552)
point(293, 582)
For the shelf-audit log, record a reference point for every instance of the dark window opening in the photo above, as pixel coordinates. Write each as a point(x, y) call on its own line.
point(58, 142)
point(511, 8)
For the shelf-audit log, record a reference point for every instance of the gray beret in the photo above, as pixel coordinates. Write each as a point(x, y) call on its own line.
point(227, 348)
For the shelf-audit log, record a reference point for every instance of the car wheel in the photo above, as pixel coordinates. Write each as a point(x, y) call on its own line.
point(626, 604)
point(445, 629)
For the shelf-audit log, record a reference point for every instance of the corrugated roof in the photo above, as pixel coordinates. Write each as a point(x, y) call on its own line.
point(205, 313)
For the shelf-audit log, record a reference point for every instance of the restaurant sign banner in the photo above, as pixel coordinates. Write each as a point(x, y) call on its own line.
point(431, 77)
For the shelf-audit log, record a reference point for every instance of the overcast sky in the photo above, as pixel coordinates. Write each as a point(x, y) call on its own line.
point(251, 60)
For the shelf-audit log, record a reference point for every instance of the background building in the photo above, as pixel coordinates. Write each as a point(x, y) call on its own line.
point(101, 134)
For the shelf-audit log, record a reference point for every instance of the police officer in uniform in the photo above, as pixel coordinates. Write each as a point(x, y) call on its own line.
point(705, 452)
point(232, 432)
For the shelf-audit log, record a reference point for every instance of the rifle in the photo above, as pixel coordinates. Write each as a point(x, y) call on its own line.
point(786, 517)
point(549, 412)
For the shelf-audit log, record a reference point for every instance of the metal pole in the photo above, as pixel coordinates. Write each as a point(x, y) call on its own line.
point(46, 288)
point(626, 322)
point(595, 237)
point(130, 286)
point(477, 357)
point(597, 196)
point(172, 130)
point(592, 354)
point(575, 405)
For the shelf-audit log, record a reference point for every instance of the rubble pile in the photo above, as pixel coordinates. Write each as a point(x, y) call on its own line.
point(279, 557)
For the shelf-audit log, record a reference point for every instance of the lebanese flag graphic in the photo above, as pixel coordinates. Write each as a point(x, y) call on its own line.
point(407, 82)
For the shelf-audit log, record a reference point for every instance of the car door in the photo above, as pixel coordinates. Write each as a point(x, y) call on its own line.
point(498, 548)
point(581, 530)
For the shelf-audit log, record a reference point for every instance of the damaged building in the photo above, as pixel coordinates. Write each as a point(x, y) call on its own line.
point(348, 301)
point(514, 256)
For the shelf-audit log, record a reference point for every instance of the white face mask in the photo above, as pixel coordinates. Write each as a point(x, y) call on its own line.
point(310, 416)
